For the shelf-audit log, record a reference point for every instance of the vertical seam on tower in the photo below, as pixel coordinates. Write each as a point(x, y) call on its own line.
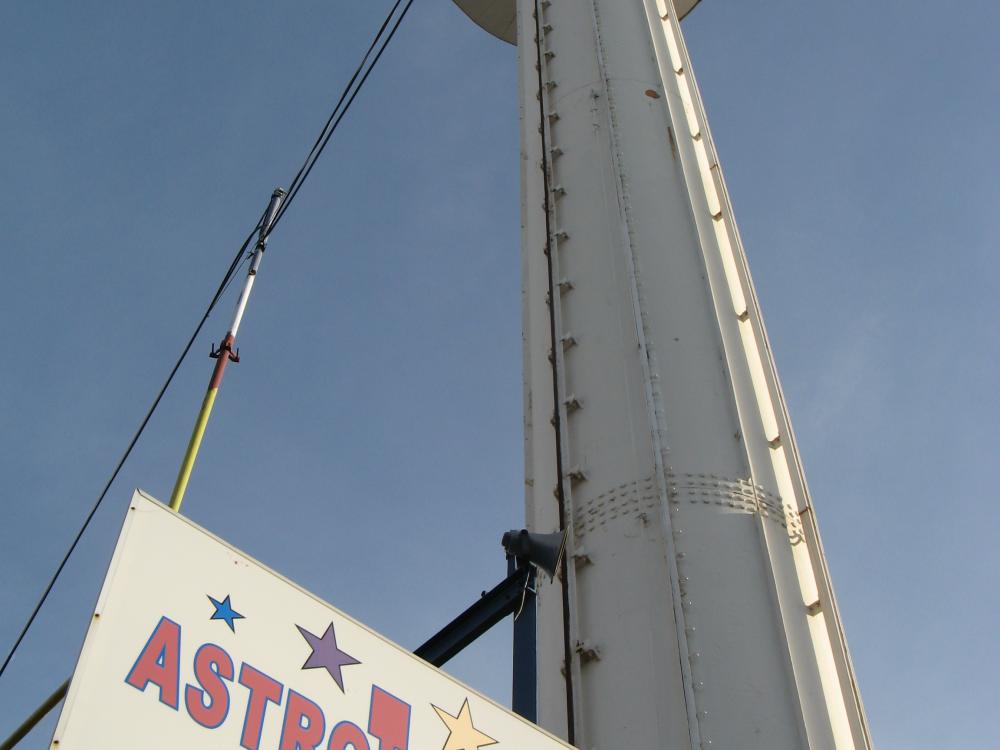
point(653, 412)
point(765, 355)
point(703, 166)
point(779, 405)
point(564, 520)
point(755, 344)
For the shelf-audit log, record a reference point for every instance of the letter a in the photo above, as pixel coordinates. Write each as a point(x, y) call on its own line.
point(159, 662)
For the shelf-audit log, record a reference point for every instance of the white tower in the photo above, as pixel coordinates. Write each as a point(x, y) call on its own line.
point(697, 609)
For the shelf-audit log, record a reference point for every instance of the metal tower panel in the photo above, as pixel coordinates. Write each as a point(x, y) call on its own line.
point(698, 605)
point(499, 17)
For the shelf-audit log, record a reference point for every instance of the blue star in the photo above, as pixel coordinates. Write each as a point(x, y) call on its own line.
point(224, 611)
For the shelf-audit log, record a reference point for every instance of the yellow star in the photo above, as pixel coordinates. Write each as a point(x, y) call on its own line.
point(461, 734)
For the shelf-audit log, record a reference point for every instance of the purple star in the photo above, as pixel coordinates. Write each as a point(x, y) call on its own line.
point(326, 654)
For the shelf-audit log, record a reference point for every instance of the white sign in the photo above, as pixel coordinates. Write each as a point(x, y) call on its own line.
point(195, 645)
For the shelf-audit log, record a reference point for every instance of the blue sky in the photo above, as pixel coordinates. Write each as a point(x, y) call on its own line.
point(368, 446)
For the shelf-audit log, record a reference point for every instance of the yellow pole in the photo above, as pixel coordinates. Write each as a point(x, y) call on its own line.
point(180, 486)
point(22, 731)
point(223, 357)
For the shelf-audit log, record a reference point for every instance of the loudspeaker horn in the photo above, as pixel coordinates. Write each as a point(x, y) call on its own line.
point(541, 550)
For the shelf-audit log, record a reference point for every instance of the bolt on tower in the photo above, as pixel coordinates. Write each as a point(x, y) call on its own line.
point(696, 608)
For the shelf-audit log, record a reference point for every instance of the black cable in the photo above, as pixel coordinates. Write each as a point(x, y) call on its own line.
point(293, 186)
point(322, 140)
point(329, 129)
point(135, 439)
point(243, 261)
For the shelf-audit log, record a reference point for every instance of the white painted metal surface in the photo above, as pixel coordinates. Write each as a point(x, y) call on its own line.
point(700, 608)
point(265, 665)
point(499, 17)
point(255, 260)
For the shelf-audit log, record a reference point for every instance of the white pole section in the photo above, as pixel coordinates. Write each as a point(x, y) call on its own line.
point(258, 255)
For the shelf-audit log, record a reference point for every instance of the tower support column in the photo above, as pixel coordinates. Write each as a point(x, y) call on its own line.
point(696, 608)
